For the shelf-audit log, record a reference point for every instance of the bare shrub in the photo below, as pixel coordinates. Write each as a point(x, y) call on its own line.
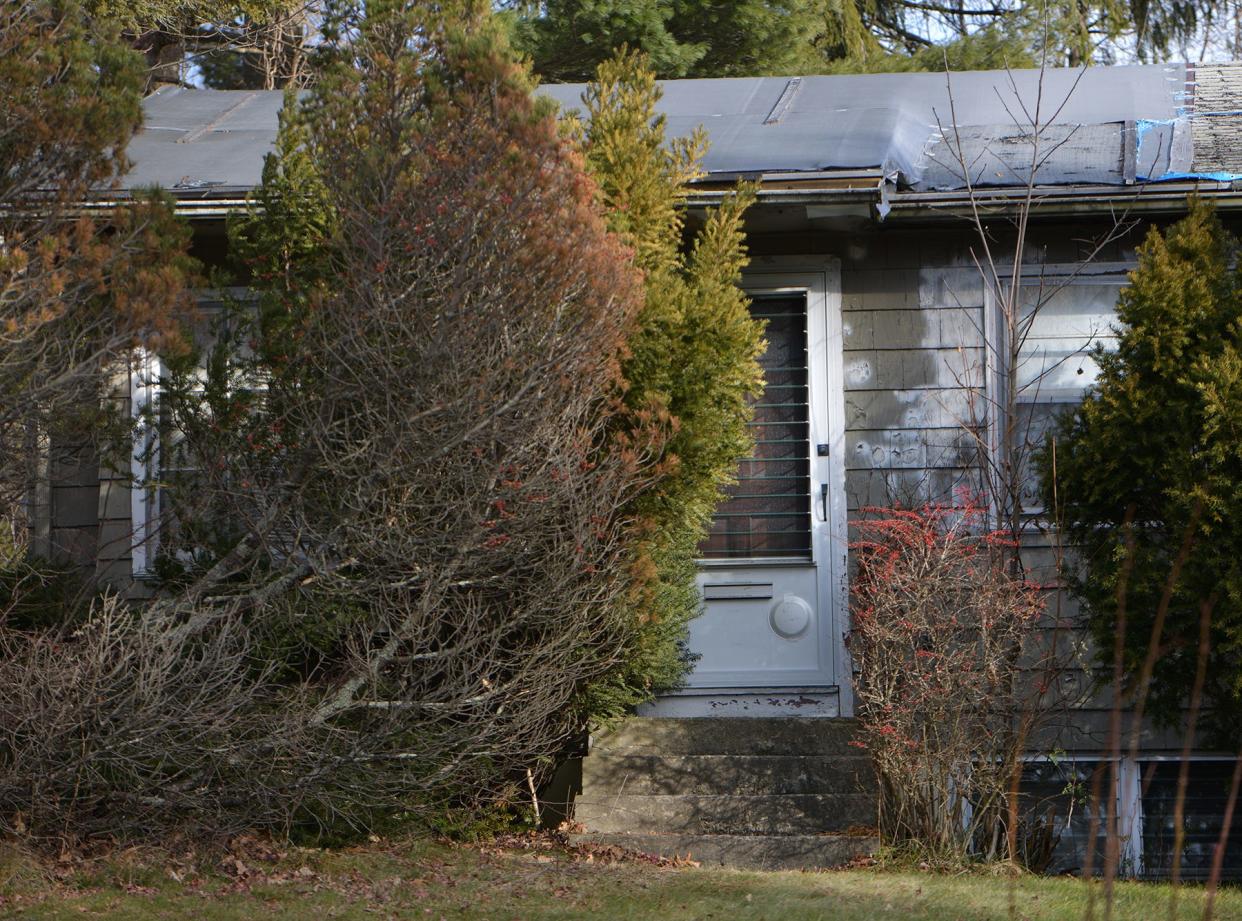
point(946, 647)
point(118, 727)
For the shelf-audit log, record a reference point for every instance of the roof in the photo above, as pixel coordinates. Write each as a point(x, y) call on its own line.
point(895, 122)
point(204, 140)
point(920, 132)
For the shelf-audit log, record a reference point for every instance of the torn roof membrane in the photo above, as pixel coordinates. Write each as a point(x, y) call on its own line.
point(1007, 156)
point(1204, 139)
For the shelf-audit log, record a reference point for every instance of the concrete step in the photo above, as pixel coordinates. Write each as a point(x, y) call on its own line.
point(739, 736)
point(794, 814)
point(746, 852)
point(605, 773)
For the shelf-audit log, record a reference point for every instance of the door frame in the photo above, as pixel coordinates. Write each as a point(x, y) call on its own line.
point(820, 278)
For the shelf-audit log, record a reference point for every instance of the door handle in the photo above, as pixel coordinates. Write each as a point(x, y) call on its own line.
point(823, 498)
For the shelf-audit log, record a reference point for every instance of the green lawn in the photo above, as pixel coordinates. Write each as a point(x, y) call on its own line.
point(421, 881)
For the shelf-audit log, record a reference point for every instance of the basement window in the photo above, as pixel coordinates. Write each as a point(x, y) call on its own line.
point(1065, 816)
point(767, 513)
point(1064, 827)
point(1202, 820)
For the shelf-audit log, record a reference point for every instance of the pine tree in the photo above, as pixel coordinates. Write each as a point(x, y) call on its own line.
point(225, 44)
point(568, 39)
point(1150, 467)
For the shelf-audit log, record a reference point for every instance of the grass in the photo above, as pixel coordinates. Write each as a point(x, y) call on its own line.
point(421, 880)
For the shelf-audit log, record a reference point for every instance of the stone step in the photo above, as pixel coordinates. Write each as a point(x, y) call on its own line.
point(736, 736)
point(746, 852)
point(795, 814)
point(604, 773)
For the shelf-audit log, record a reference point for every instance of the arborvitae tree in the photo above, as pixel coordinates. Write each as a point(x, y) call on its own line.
point(693, 359)
point(1149, 468)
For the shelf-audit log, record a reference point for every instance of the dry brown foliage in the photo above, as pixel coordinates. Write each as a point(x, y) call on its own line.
point(415, 487)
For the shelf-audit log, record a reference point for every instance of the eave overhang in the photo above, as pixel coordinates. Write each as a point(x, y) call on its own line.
point(866, 192)
point(1111, 201)
point(888, 203)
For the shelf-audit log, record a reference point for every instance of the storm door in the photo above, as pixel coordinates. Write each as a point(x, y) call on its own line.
point(773, 565)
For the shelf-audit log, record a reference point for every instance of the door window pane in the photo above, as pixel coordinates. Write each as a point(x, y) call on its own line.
point(767, 513)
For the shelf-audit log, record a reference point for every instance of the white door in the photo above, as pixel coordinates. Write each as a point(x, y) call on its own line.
point(773, 575)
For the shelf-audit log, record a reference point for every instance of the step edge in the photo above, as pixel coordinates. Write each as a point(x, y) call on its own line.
point(721, 796)
point(614, 754)
point(739, 835)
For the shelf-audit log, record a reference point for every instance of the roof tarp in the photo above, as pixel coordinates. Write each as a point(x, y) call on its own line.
point(923, 130)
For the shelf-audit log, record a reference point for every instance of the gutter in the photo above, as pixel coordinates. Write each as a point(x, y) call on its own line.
point(700, 198)
point(702, 194)
point(210, 208)
point(203, 208)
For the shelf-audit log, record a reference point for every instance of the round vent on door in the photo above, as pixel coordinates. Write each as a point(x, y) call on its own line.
point(790, 617)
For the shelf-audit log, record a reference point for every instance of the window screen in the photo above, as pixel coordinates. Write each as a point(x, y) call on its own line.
point(1207, 794)
point(768, 511)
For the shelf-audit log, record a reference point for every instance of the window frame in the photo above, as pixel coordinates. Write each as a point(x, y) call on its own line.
point(996, 359)
point(146, 376)
point(1128, 796)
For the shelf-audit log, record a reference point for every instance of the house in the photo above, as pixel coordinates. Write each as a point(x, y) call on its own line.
point(880, 329)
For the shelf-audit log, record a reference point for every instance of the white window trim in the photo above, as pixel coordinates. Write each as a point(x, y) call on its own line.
point(996, 358)
point(145, 375)
point(144, 494)
point(1128, 796)
point(1130, 816)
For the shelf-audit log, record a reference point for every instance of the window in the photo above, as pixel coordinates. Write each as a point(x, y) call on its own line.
point(1207, 793)
point(144, 378)
point(1060, 814)
point(768, 511)
point(1067, 316)
point(160, 454)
